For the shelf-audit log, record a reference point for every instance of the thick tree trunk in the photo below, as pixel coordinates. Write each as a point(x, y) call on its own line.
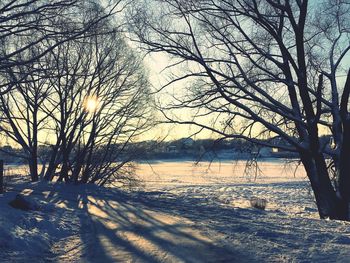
point(344, 173)
point(328, 202)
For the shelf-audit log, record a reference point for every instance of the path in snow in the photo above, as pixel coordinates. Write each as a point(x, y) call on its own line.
point(129, 231)
point(108, 225)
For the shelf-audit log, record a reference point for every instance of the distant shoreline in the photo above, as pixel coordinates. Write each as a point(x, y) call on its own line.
point(191, 160)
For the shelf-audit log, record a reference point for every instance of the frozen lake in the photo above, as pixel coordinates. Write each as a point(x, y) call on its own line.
point(180, 172)
point(206, 173)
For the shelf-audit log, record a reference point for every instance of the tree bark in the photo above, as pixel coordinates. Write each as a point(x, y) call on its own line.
point(344, 173)
point(33, 168)
point(329, 204)
point(52, 165)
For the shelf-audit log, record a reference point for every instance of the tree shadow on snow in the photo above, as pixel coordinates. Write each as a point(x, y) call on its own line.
point(118, 227)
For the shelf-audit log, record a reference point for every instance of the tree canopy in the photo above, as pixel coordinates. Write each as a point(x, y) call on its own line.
point(263, 69)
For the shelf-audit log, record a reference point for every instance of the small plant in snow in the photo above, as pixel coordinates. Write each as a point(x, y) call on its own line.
point(258, 203)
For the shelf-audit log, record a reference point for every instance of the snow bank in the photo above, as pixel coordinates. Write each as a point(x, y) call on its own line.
point(33, 233)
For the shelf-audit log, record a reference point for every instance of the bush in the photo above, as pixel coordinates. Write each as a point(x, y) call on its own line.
point(258, 203)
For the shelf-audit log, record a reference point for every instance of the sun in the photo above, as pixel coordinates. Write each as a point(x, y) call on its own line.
point(91, 103)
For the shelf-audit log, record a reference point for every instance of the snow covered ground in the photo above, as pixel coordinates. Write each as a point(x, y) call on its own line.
point(183, 213)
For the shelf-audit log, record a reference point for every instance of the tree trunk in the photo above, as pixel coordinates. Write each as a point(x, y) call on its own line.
point(77, 169)
point(64, 171)
point(328, 202)
point(65, 161)
point(51, 168)
point(65, 166)
point(344, 172)
point(33, 168)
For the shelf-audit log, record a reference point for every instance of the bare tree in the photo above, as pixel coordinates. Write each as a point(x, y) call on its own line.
point(263, 69)
point(22, 118)
point(31, 31)
point(98, 106)
point(48, 20)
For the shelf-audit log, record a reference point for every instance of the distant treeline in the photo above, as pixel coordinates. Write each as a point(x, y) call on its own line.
point(202, 149)
point(184, 148)
point(216, 148)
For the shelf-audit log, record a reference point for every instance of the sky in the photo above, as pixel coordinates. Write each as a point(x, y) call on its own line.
point(155, 65)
